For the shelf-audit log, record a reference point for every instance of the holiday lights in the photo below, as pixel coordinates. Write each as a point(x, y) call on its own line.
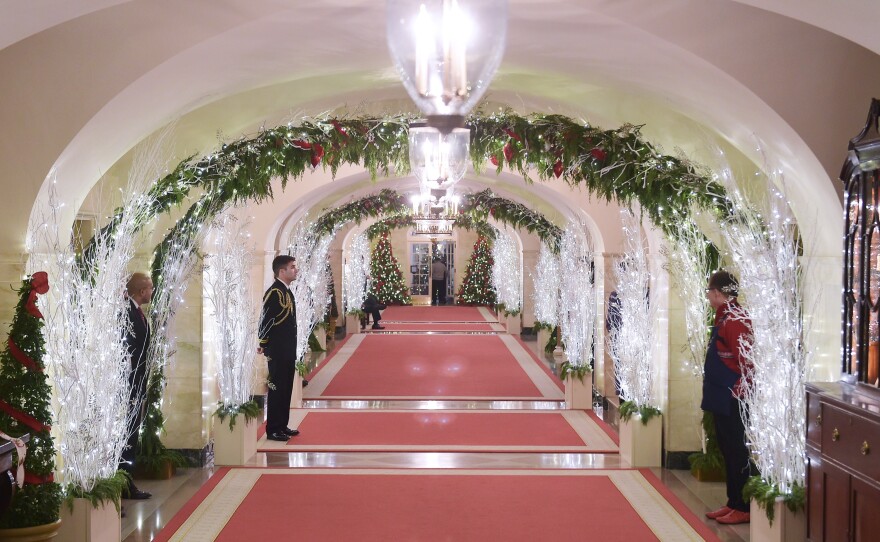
point(764, 247)
point(476, 288)
point(387, 281)
point(235, 313)
point(577, 296)
point(547, 280)
point(507, 271)
point(632, 335)
point(356, 281)
point(311, 288)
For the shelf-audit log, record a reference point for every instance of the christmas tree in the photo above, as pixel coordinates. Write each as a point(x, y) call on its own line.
point(24, 408)
point(388, 285)
point(476, 289)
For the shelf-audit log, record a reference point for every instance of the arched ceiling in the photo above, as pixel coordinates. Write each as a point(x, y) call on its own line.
point(85, 81)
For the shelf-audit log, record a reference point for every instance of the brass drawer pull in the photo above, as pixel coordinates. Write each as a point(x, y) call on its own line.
point(819, 419)
point(865, 448)
point(835, 435)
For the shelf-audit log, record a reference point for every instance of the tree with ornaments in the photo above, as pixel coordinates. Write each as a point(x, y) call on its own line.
point(388, 284)
point(25, 408)
point(476, 289)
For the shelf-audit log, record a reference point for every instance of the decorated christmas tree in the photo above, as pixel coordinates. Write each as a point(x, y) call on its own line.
point(25, 408)
point(476, 289)
point(388, 285)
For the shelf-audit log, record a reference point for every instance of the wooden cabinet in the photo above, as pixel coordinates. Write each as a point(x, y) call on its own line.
point(843, 463)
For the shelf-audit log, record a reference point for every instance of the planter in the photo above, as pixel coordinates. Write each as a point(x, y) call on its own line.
point(787, 526)
point(86, 523)
point(37, 533)
point(578, 395)
point(543, 338)
point(296, 398)
point(716, 474)
point(331, 327)
point(235, 447)
point(321, 335)
point(352, 324)
point(513, 323)
point(642, 445)
point(163, 471)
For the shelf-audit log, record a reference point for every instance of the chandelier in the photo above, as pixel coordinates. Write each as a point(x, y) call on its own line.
point(434, 212)
point(444, 60)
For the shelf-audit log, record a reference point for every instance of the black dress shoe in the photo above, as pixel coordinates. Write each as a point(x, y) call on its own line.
point(279, 436)
point(290, 432)
point(136, 494)
point(305, 382)
point(377, 326)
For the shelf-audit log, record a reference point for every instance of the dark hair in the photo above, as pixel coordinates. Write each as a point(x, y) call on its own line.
point(280, 261)
point(724, 282)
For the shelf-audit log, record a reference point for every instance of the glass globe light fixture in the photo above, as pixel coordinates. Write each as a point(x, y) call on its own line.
point(446, 52)
point(438, 160)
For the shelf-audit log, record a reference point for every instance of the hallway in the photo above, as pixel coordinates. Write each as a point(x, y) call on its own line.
point(435, 428)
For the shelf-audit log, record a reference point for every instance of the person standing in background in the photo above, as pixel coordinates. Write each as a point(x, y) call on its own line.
point(438, 282)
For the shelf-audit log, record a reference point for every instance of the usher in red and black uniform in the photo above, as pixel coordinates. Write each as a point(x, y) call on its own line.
point(722, 385)
point(278, 340)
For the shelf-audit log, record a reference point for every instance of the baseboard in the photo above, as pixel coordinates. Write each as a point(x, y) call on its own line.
point(677, 460)
point(197, 457)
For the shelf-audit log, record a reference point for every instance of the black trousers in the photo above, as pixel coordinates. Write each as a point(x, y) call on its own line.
point(731, 435)
point(438, 292)
point(137, 386)
point(281, 373)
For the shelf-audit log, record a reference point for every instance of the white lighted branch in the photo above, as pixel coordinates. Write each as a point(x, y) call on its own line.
point(506, 271)
point(311, 288)
point(234, 309)
point(632, 334)
point(764, 246)
point(577, 298)
point(86, 315)
point(547, 281)
point(357, 274)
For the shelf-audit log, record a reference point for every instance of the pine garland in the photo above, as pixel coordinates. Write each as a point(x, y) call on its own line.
point(484, 204)
point(388, 284)
point(475, 288)
point(26, 392)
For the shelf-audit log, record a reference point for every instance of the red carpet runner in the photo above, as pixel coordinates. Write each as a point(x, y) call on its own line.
point(428, 505)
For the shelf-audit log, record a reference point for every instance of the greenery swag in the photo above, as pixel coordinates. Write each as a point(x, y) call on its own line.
point(628, 409)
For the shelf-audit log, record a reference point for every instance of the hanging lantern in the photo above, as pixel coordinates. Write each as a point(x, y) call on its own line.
point(446, 52)
point(438, 161)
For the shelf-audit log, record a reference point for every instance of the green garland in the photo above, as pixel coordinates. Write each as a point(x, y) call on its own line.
point(485, 203)
point(575, 371)
point(250, 410)
point(29, 392)
point(765, 494)
point(386, 202)
point(628, 409)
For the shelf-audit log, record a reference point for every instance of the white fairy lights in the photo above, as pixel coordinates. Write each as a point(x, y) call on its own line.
point(765, 252)
point(311, 288)
point(506, 271)
point(357, 273)
point(632, 334)
point(235, 313)
point(547, 281)
point(577, 295)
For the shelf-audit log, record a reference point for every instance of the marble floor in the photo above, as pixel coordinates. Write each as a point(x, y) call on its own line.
point(144, 519)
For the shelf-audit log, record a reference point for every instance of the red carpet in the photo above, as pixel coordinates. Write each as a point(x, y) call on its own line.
point(431, 505)
point(452, 313)
point(431, 366)
point(420, 430)
point(434, 326)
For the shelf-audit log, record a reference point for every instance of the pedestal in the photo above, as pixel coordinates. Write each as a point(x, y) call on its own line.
point(641, 445)
point(352, 324)
point(543, 338)
point(296, 398)
point(578, 395)
point(513, 323)
point(88, 524)
point(321, 335)
point(235, 447)
point(787, 526)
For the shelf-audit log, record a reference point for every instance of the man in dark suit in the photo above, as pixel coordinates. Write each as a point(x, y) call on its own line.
point(278, 343)
point(139, 291)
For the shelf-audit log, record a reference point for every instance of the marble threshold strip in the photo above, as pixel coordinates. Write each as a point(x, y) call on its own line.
point(399, 404)
point(428, 332)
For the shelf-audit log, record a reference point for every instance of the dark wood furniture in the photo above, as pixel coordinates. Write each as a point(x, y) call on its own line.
point(843, 463)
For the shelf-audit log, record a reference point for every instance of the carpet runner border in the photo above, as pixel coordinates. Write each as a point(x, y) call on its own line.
point(596, 439)
point(206, 515)
point(434, 404)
